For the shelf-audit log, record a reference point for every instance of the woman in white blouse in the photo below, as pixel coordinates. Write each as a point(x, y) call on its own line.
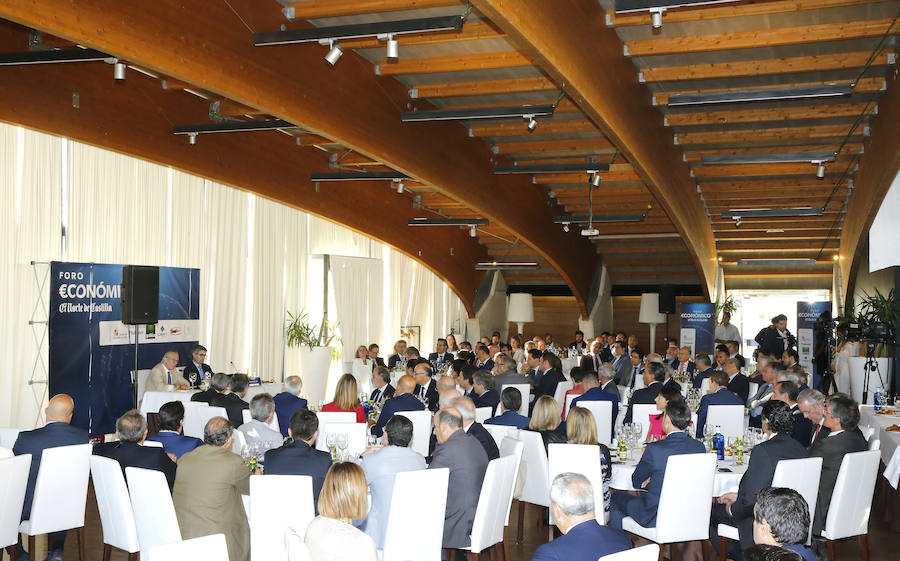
point(331, 536)
point(362, 367)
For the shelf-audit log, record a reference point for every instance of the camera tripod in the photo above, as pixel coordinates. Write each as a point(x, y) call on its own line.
point(871, 366)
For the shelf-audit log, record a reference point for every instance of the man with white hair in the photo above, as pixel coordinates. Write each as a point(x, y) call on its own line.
point(466, 408)
point(257, 432)
point(288, 402)
point(164, 374)
point(583, 539)
point(505, 373)
point(812, 404)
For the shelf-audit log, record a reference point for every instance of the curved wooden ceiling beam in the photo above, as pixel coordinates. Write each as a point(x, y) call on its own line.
point(135, 118)
point(572, 43)
point(211, 47)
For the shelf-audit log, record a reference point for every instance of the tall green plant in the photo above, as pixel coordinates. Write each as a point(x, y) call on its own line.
point(729, 305)
point(879, 308)
point(299, 331)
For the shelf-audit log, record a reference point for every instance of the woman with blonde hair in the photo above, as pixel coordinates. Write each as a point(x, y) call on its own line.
point(346, 398)
point(545, 420)
point(581, 428)
point(451, 344)
point(331, 536)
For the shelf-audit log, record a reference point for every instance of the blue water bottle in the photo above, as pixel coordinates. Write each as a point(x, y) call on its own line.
point(719, 443)
point(878, 400)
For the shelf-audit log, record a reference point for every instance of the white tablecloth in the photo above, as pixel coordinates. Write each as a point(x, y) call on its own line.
point(725, 482)
point(890, 441)
point(152, 401)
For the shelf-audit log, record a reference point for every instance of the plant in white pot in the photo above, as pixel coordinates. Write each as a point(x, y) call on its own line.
point(316, 351)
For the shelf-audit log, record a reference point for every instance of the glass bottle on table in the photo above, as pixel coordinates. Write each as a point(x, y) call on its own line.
point(719, 443)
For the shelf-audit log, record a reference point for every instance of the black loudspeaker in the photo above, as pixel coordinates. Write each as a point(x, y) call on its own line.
point(666, 300)
point(140, 295)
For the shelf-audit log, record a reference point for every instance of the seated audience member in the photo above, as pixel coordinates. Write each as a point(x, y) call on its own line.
point(654, 375)
point(412, 353)
point(737, 382)
point(736, 509)
point(704, 369)
point(444, 383)
point(483, 360)
point(381, 382)
point(373, 356)
point(346, 399)
point(583, 539)
point(218, 383)
point(721, 356)
point(781, 519)
point(510, 402)
point(663, 398)
point(467, 409)
point(734, 352)
point(467, 461)
point(381, 464)
point(636, 368)
point(551, 375)
point(591, 361)
point(299, 455)
point(763, 394)
point(171, 423)
point(56, 432)
point(578, 345)
point(485, 395)
point(719, 394)
point(651, 469)
point(456, 367)
point(403, 400)
point(790, 357)
point(593, 392)
point(233, 401)
point(426, 389)
point(197, 370)
point(788, 392)
point(257, 433)
point(505, 373)
point(465, 379)
point(581, 428)
point(209, 483)
point(131, 430)
point(164, 374)
point(770, 553)
point(844, 437)
point(532, 366)
point(288, 402)
point(331, 535)
point(683, 365)
point(812, 404)
point(605, 373)
point(621, 364)
point(442, 357)
point(398, 356)
point(545, 420)
point(577, 377)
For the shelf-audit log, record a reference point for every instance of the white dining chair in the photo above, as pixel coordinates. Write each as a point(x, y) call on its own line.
point(154, 512)
point(602, 412)
point(525, 390)
point(8, 436)
point(867, 431)
point(482, 414)
point(499, 432)
point(561, 389)
point(207, 548)
point(684, 502)
point(13, 480)
point(152, 444)
point(567, 408)
point(536, 489)
point(578, 458)
point(704, 386)
point(648, 552)
point(356, 436)
point(874, 441)
point(279, 505)
point(419, 501)
point(493, 505)
point(729, 417)
point(421, 421)
point(196, 416)
point(5, 453)
point(511, 446)
point(114, 504)
point(754, 387)
point(60, 494)
point(851, 501)
point(327, 417)
point(640, 413)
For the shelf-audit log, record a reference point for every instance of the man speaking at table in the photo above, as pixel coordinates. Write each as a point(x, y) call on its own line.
point(197, 370)
point(164, 374)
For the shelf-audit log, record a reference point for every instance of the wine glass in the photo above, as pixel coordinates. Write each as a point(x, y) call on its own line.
point(343, 441)
point(637, 431)
point(732, 445)
point(331, 440)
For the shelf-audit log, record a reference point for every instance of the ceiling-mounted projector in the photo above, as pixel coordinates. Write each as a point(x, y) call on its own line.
point(587, 232)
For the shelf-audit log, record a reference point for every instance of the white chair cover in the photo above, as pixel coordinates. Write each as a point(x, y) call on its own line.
point(602, 412)
point(482, 414)
point(578, 458)
point(421, 430)
point(866, 431)
point(645, 553)
point(525, 390)
point(493, 503)
point(197, 415)
point(207, 548)
point(327, 417)
point(13, 479)
point(754, 387)
point(567, 408)
point(512, 447)
point(280, 505)
point(536, 489)
point(704, 387)
point(851, 500)
point(154, 512)
point(640, 413)
point(5, 453)
point(60, 492)
point(356, 436)
point(419, 501)
point(152, 443)
point(114, 504)
point(729, 417)
point(8, 436)
point(499, 432)
point(561, 389)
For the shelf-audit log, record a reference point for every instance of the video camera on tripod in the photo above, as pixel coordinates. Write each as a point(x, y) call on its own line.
point(877, 332)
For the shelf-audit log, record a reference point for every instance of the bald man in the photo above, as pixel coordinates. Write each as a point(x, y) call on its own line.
point(403, 400)
point(164, 374)
point(57, 432)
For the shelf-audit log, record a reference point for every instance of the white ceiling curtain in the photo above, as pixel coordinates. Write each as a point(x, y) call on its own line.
point(358, 301)
point(29, 231)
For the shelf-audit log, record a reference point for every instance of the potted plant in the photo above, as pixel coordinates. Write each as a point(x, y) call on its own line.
point(728, 305)
point(316, 351)
point(878, 308)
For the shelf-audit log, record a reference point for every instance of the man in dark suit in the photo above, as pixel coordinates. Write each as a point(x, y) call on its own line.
point(218, 384)
point(636, 368)
point(704, 369)
point(737, 382)
point(426, 388)
point(606, 374)
point(842, 420)
point(583, 539)
point(651, 469)
point(803, 428)
point(591, 362)
point(764, 393)
point(465, 379)
point(533, 371)
point(654, 375)
point(719, 394)
point(621, 364)
point(197, 370)
point(736, 509)
point(812, 403)
point(510, 402)
point(441, 358)
point(131, 430)
point(683, 364)
point(399, 350)
point(288, 402)
point(57, 432)
point(551, 375)
point(403, 400)
point(381, 381)
point(505, 373)
point(467, 460)
point(300, 457)
point(171, 422)
point(593, 392)
point(467, 409)
point(578, 345)
point(373, 355)
point(734, 348)
point(781, 519)
point(485, 395)
point(233, 401)
point(483, 360)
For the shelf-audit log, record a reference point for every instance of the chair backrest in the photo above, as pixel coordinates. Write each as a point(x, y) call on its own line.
point(296, 547)
point(196, 417)
point(644, 553)
point(279, 505)
point(602, 412)
point(561, 388)
point(510, 446)
point(421, 421)
point(874, 442)
point(801, 475)
point(246, 415)
point(640, 413)
point(13, 479)
point(114, 504)
point(536, 489)
point(356, 436)
point(851, 500)
point(686, 498)
point(152, 443)
point(729, 417)
point(154, 512)
point(493, 503)
point(639, 382)
point(482, 414)
point(578, 458)
point(207, 548)
point(567, 408)
point(754, 387)
point(704, 386)
point(8, 436)
point(525, 390)
point(499, 432)
point(867, 431)
point(60, 492)
point(6, 453)
point(419, 501)
point(328, 417)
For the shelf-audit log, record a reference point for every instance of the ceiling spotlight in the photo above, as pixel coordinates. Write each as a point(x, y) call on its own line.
point(820, 171)
point(334, 53)
point(737, 222)
point(532, 124)
point(192, 138)
point(835, 258)
point(595, 180)
point(400, 187)
point(656, 17)
point(119, 71)
point(473, 232)
point(393, 48)
point(565, 226)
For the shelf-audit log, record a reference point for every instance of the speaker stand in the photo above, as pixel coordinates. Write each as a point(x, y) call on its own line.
point(134, 373)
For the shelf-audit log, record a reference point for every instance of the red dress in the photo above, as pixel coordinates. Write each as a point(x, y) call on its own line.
point(333, 408)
